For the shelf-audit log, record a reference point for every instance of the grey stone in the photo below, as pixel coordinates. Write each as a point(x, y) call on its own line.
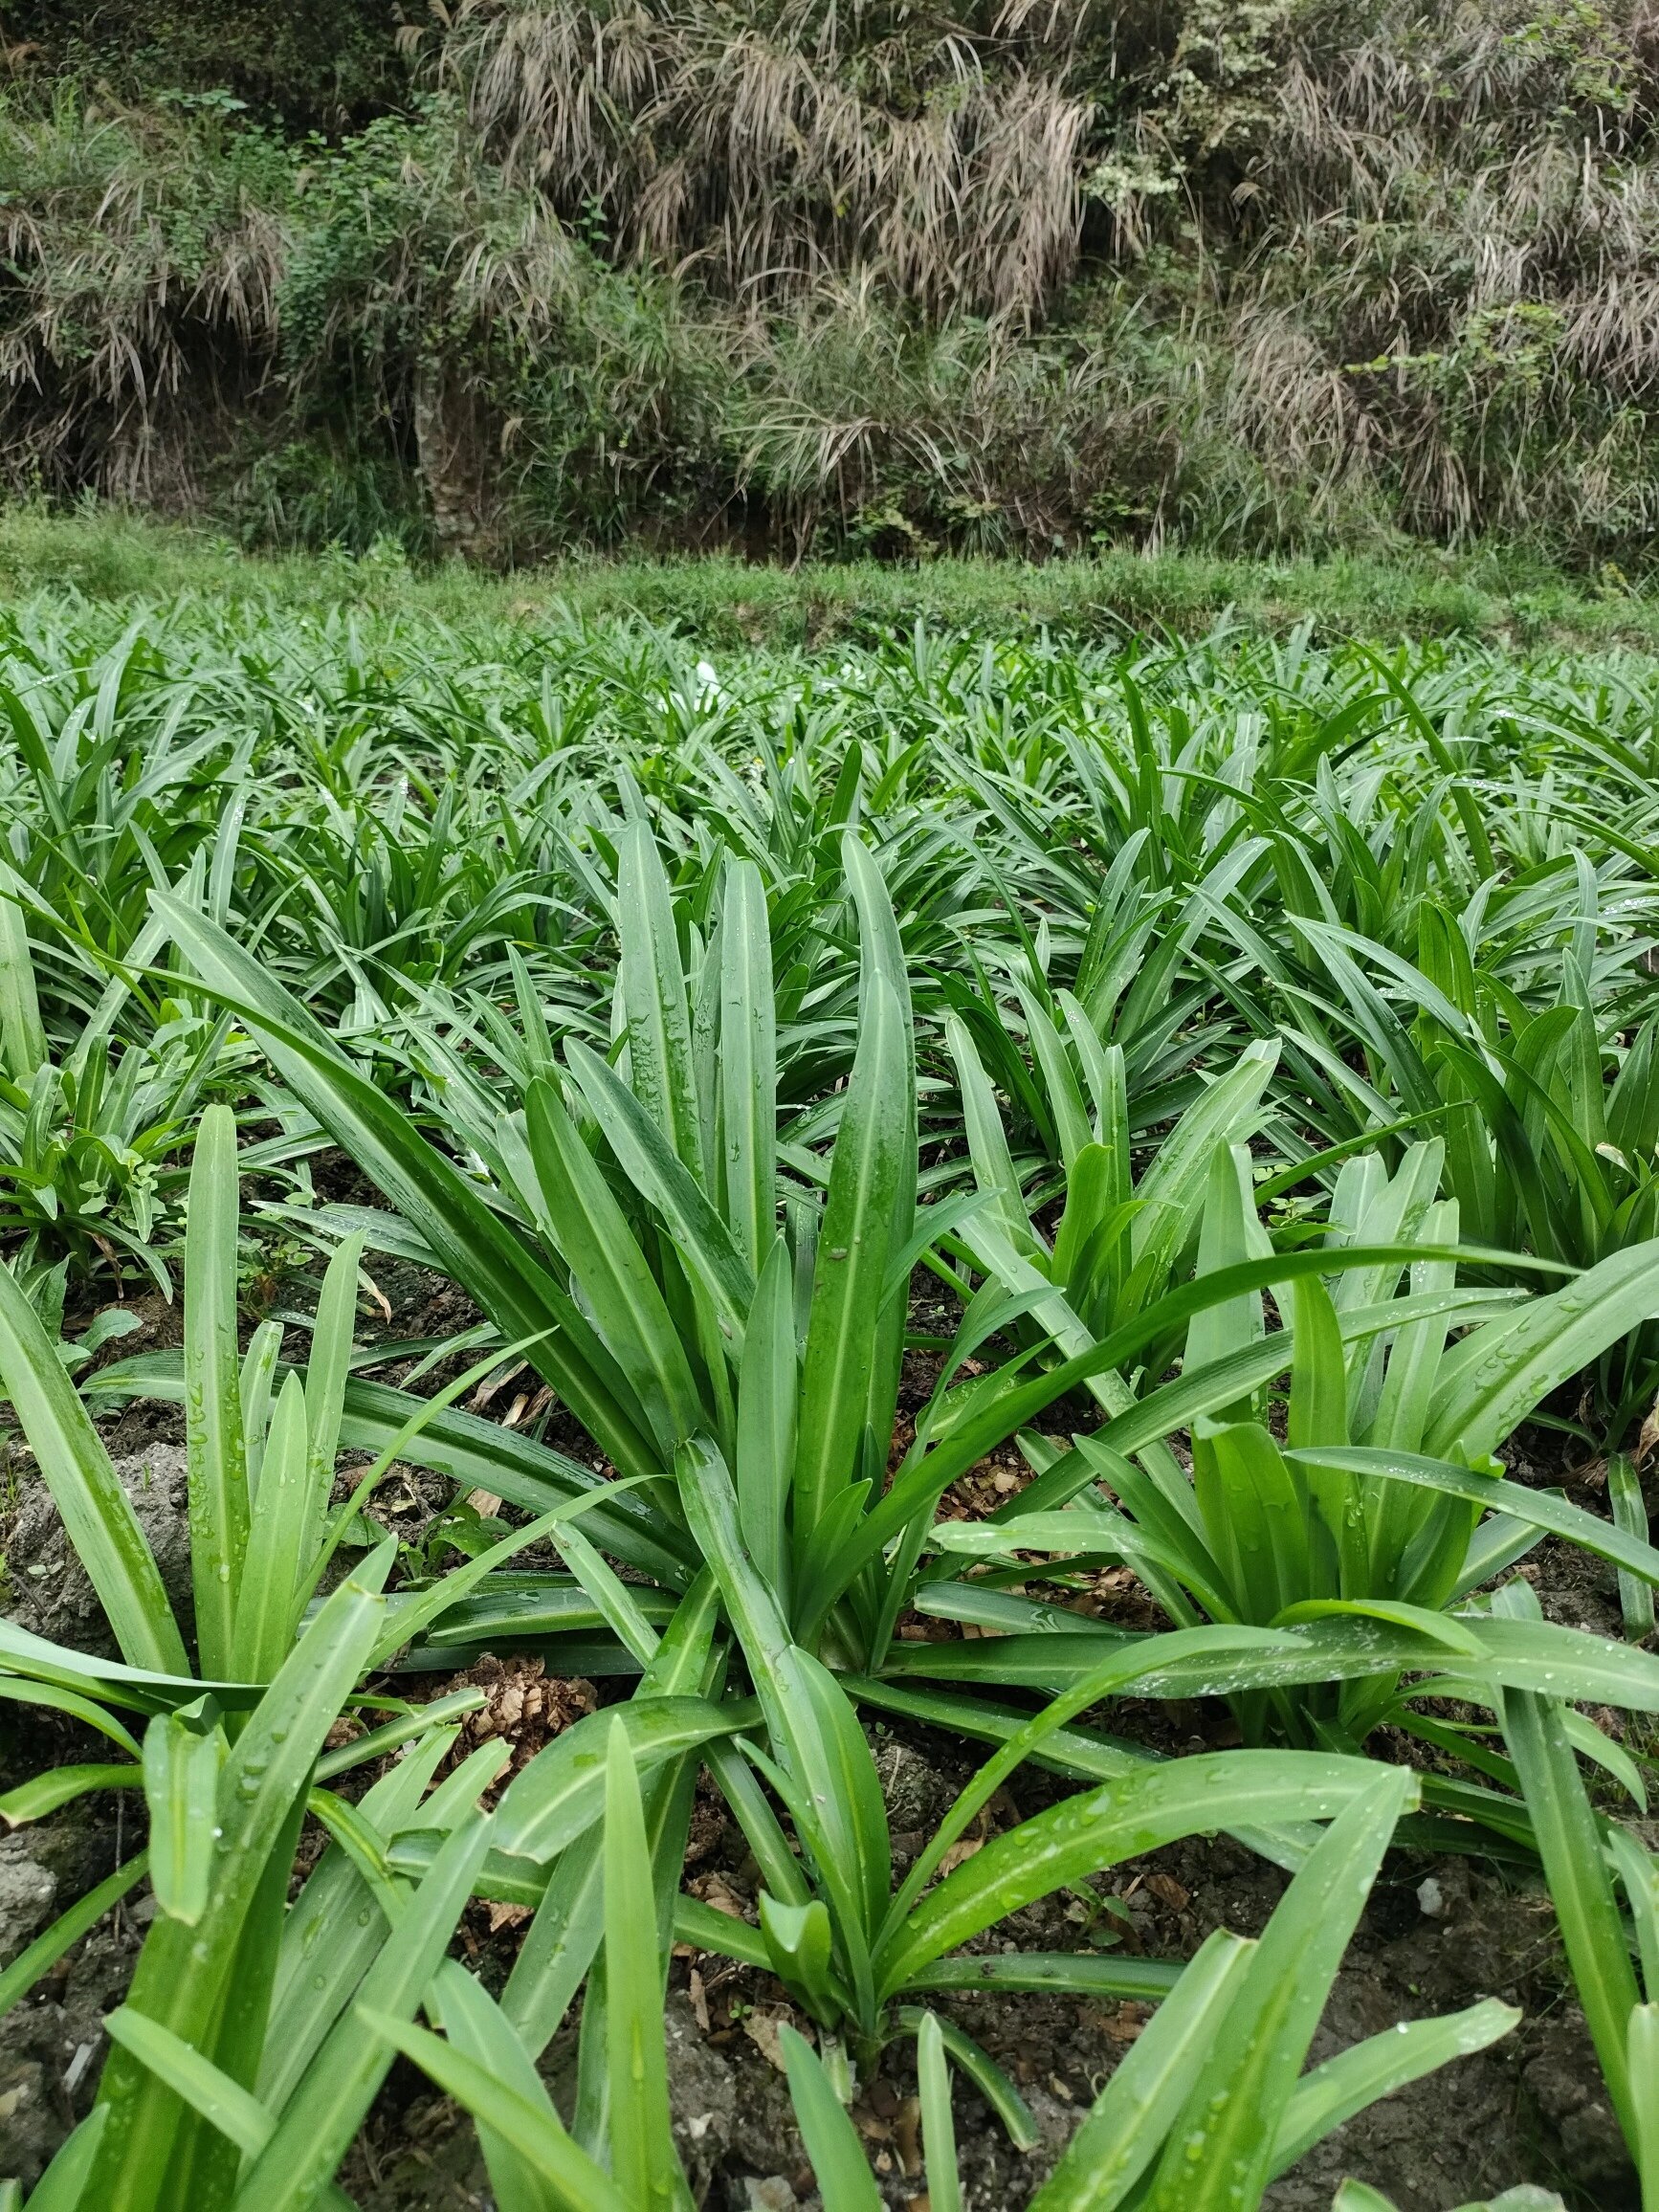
point(27, 1890)
point(702, 2095)
point(52, 1594)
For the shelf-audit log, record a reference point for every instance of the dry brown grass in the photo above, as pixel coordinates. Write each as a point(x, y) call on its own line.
point(765, 150)
point(1251, 272)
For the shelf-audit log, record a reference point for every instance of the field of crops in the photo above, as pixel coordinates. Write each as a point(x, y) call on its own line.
point(863, 1428)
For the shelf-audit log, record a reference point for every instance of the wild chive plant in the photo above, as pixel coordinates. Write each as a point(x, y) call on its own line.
point(1142, 908)
point(1382, 1501)
point(640, 1248)
point(1208, 2107)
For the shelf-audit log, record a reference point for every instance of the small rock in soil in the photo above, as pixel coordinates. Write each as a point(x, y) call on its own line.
point(26, 1889)
point(51, 1593)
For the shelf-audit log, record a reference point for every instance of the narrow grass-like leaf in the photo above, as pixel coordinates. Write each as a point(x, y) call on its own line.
point(562, 1790)
point(653, 994)
point(607, 1263)
point(63, 2187)
point(938, 2126)
point(1220, 2147)
point(1376, 2068)
point(328, 2108)
point(641, 2154)
point(850, 1284)
point(182, 1973)
point(839, 2166)
point(466, 1236)
point(1630, 1513)
point(60, 1786)
point(42, 1955)
point(580, 2184)
point(1120, 1819)
point(748, 1115)
point(22, 1038)
point(281, 1537)
point(476, 2028)
point(325, 1378)
point(75, 1468)
point(1125, 2128)
point(1580, 1887)
point(224, 2103)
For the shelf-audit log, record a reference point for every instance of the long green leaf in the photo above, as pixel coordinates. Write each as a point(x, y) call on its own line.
point(1125, 2129)
point(96, 1511)
point(579, 2183)
point(182, 1789)
point(42, 1955)
point(1123, 1819)
point(849, 1282)
point(839, 2166)
point(1220, 2147)
point(217, 1463)
point(183, 1971)
point(330, 2103)
point(641, 2154)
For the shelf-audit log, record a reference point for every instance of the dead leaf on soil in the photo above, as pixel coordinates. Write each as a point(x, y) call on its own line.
point(761, 2026)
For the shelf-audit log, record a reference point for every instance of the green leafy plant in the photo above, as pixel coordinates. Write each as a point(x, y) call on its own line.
point(1374, 1500)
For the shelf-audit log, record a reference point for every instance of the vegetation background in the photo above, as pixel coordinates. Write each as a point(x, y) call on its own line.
point(840, 277)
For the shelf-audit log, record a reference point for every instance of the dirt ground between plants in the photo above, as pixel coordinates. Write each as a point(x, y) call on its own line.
point(1438, 1934)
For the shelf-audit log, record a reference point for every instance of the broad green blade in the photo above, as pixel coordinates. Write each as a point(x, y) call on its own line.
point(181, 1766)
point(1643, 2060)
point(222, 2102)
point(259, 1369)
point(1536, 1508)
point(218, 1473)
